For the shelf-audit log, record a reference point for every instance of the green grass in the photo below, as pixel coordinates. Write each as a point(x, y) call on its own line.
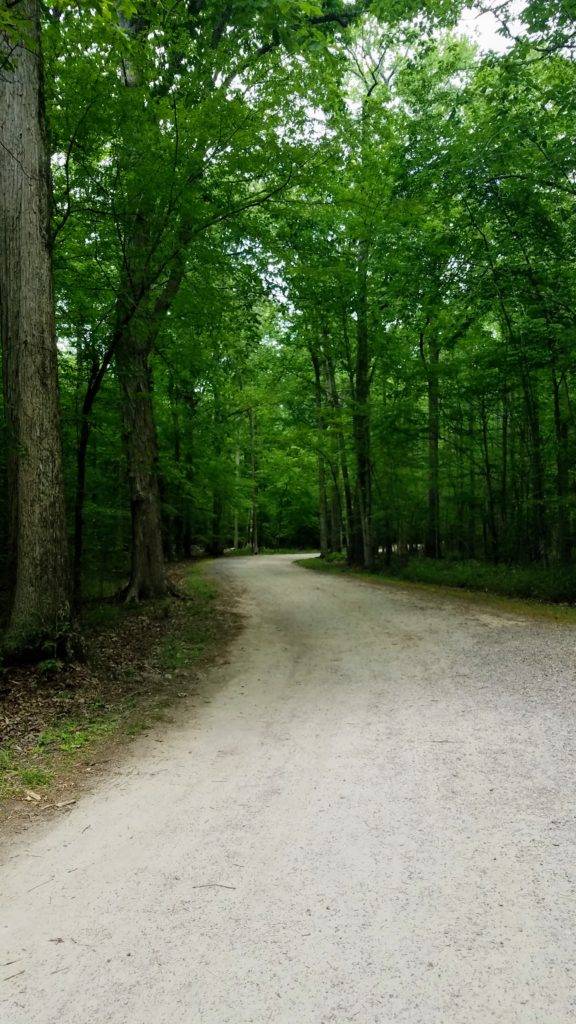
point(69, 736)
point(550, 591)
point(182, 650)
point(6, 760)
point(15, 776)
point(199, 587)
point(35, 777)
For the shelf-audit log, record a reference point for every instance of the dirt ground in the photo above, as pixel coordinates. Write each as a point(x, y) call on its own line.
point(366, 816)
point(62, 725)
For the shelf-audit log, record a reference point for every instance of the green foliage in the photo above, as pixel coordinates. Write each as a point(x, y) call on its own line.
point(49, 666)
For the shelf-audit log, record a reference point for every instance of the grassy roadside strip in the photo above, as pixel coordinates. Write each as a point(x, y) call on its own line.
point(531, 607)
point(59, 723)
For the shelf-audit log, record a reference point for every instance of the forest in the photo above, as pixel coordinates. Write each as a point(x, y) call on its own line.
point(293, 274)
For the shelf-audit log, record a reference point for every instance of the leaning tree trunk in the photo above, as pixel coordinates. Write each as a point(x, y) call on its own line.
point(40, 613)
point(147, 575)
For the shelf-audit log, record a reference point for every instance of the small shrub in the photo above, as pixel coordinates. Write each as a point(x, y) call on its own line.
point(49, 666)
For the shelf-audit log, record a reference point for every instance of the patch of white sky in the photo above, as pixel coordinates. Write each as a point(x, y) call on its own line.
point(484, 28)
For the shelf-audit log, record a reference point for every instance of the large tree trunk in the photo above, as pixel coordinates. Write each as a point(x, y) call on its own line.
point(147, 576)
point(40, 611)
point(139, 315)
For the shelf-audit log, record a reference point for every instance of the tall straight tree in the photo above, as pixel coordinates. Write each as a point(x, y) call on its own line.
point(40, 609)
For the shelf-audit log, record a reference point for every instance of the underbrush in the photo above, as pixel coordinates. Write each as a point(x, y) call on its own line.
point(556, 584)
point(58, 720)
point(552, 584)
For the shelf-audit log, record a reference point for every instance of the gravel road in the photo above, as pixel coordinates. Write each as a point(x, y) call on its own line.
point(367, 817)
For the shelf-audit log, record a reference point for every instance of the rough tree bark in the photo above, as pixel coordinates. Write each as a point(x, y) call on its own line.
point(147, 575)
point(41, 608)
point(140, 314)
point(138, 320)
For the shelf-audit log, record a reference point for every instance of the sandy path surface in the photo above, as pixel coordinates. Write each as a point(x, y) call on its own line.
point(369, 817)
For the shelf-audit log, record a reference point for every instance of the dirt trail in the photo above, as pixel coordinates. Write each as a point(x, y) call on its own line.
point(368, 817)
